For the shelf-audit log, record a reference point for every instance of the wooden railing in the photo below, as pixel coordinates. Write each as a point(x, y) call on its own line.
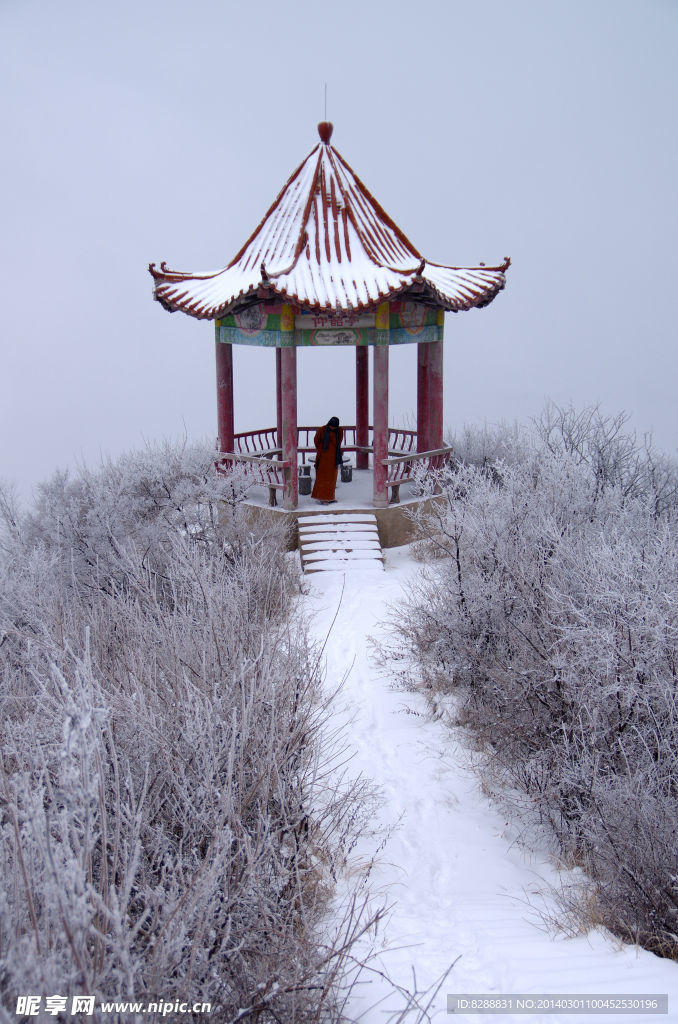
point(256, 442)
point(400, 467)
point(399, 441)
point(258, 449)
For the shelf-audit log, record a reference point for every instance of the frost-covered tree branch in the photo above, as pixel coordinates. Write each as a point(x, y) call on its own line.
point(169, 824)
point(549, 613)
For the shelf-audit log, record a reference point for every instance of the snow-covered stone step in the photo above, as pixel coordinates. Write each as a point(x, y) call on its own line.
point(343, 556)
point(331, 544)
point(336, 517)
point(345, 566)
point(344, 538)
point(339, 540)
point(338, 528)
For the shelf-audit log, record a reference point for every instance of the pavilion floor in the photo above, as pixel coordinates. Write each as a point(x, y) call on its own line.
point(357, 494)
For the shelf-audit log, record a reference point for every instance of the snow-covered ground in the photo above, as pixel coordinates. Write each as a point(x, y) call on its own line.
point(460, 887)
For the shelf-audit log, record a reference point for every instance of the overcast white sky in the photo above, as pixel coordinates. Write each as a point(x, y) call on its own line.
point(141, 131)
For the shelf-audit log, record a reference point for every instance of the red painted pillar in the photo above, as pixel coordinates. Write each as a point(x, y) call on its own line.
point(224, 396)
point(435, 394)
point(278, 397)
point(423, 396)
point(380, 408)
point(288, 375)
point(362, 406)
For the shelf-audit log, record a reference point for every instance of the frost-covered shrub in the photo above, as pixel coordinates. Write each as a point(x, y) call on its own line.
point(483, 446)
point(612, 454)
point(553, 617)
point(165, 830)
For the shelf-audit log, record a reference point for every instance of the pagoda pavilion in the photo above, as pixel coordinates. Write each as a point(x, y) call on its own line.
point(328, 266)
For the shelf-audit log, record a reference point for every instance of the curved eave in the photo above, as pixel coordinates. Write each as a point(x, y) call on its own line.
point(183, 301)
point(325, 243)
point(461, 288)
point(454, 289)
point(197, 295)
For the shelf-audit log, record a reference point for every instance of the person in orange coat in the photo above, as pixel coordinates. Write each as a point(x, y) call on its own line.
point(328, 458)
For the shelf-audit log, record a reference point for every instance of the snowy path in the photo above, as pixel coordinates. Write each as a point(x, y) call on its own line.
point(459, 885)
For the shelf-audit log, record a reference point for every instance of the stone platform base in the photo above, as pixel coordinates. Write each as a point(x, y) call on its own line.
point(394, 525)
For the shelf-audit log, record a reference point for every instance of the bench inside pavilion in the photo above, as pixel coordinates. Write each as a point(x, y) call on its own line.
point(328, 266)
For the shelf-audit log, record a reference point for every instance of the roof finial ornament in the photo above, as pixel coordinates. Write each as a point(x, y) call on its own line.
point(325, 129)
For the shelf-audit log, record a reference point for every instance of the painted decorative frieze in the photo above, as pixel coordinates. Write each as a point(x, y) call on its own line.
point(394, 323)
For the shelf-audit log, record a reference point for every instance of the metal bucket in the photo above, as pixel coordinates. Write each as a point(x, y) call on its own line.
point(346, 474)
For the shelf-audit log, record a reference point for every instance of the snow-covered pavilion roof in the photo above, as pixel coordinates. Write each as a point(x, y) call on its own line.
point(326, 243)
